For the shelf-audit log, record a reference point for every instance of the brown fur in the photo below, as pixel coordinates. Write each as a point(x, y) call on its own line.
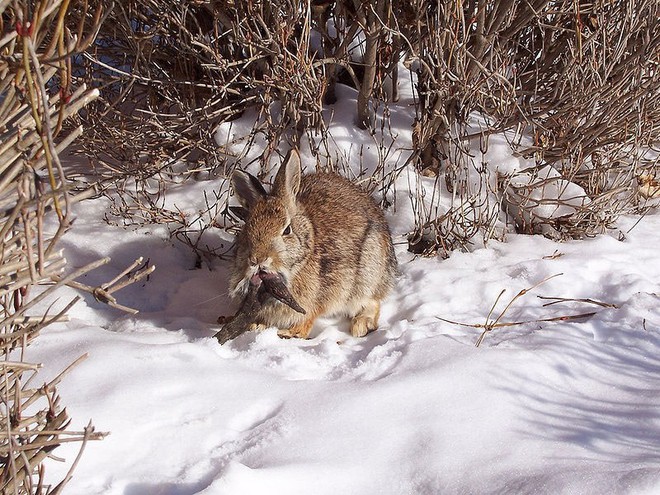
point(338, 259)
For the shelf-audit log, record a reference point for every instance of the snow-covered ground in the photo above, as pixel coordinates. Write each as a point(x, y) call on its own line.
point(568, 406)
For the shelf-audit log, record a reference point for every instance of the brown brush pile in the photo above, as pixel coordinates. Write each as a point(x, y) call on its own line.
point(38, 99)
point(581, 78)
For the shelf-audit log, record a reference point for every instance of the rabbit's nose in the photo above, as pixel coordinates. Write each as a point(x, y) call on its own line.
point(263, 263)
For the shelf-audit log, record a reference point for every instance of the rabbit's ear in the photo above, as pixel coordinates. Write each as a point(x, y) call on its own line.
point(239, 212)
point(287, 180)
point(247, 187)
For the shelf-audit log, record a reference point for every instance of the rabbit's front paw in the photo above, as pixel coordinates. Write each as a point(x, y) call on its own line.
point(297, 331)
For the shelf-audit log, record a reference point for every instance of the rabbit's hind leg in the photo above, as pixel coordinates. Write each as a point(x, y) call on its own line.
point(366, 320)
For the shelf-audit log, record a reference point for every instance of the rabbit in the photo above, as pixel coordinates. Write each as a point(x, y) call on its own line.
point(327, 240)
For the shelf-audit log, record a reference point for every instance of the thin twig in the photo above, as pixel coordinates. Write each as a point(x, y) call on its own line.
point(557, 300)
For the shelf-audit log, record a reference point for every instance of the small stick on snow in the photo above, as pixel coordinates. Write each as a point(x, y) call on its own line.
point(104, 292)
point(556, 300)
point(524, 322)
point(489, 325)
point(133, 265)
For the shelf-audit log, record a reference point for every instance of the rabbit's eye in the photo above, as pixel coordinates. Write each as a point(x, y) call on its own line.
point(287, 230)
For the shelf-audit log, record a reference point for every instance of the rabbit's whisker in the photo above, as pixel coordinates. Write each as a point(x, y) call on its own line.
point(211, 299)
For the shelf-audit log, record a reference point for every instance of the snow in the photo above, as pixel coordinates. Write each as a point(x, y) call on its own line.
point(561, 407)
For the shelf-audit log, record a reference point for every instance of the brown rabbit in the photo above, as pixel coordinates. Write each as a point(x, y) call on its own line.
point(324, 237)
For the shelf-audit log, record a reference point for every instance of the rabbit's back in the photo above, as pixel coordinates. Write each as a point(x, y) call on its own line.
point(353, 253)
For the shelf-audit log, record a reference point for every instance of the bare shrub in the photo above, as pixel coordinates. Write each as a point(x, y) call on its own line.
point(579, 79)
point(37, 99)
point(592, 95)
point(170, 73)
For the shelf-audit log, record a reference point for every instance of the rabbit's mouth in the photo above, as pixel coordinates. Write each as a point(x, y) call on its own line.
point(273, 284)
point(267, 275)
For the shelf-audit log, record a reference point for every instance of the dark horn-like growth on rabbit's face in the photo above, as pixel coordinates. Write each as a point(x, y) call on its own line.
point(321, 239)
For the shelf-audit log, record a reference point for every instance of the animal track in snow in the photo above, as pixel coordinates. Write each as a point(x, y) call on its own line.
point(255, 429)
point(258, 414)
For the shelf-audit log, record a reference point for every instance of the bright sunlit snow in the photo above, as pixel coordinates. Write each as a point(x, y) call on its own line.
point(569, 406)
